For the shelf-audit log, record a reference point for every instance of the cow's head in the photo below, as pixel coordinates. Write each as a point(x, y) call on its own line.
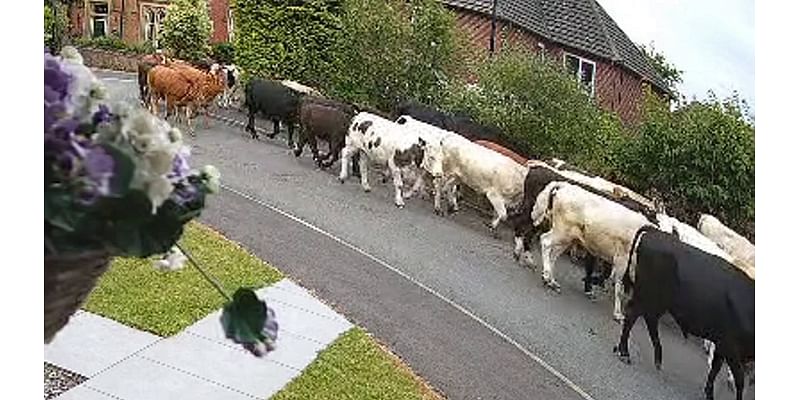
point(434, 156)
point(413, 155)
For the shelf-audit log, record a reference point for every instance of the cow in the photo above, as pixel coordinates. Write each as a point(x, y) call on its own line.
point(143, 67)
point(485, 171)
point(430, 133)
point(232, 85)
point(423, 113)
point(742, 251)
point(539, 175)
point(503, 150)
point(388, 145)
point(327, 120)
point(274, 101)
point(578, 216)
point(707, 296)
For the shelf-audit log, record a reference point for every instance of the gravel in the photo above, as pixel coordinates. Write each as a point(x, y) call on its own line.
point(58, 380)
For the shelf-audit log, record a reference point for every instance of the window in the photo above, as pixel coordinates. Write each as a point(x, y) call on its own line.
point(152, 21)
point(583, 69)
point(98, 19)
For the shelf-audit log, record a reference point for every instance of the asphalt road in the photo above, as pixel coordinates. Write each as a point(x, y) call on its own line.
point(440, 292)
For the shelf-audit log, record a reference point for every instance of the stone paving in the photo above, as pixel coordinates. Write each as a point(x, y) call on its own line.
point(198, 363)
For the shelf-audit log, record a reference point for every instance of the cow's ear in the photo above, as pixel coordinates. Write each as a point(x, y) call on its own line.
point(422, 142)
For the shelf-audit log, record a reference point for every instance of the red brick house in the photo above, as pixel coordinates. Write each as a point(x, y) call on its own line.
point(137, 21)
point(578, 33)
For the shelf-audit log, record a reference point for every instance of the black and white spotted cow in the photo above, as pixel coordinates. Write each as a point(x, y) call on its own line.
point(389, 145)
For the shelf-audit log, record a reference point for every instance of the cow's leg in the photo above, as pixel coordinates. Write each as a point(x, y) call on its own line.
point(363, 168)
point(276, 126)
point(347, 154)
point(251, 123)
point(527, 239)
point(189, 120)
point(499, 205)
point(652, 329)
point(357, 165)
point(452, 194)
point(735, 365)
point(552, 248)
point(419, 183)
point(588, 270)
point(397, 180)
point(437, 195)
point(632, 313)
point(617, 272)
point(716, 364)
point(290, 133)
point(301, 143)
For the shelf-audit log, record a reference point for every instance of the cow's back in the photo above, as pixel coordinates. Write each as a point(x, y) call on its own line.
point(481, 168)
point(271, 98)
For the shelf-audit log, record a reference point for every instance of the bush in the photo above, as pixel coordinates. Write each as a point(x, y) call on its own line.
point(395, 51)
point(113, 43)
point(187, 29)
point(55, 28)
point(223, 53)
point(541, 107)
point(288, 39)
point(700, 158)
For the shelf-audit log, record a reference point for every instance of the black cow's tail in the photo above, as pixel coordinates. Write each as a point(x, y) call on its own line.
point(627, 281)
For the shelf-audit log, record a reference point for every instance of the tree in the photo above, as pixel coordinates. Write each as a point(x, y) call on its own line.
point(187, 29)
point(668, 71)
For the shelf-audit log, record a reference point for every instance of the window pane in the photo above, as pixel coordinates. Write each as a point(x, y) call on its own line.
point(572, 64)
point(587, 73)
point(99, 26)
point(100, 8)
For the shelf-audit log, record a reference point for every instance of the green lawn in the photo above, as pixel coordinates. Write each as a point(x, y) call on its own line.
point(134, 293)
point(356, 367)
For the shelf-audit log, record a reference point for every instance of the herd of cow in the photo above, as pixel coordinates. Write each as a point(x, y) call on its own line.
point(704, 277)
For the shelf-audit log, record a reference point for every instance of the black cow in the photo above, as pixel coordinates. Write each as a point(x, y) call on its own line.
point(275, 102)
point(424, 113)
point(707, 296)
point(537, 178)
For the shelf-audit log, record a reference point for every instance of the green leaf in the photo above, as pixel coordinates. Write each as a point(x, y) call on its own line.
point(245, 321)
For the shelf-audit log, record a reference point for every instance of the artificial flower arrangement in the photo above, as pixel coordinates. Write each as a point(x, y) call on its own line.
point(118, 182)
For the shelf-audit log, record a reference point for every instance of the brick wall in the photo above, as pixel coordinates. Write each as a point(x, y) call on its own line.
point(616, 88)
point(105, 59)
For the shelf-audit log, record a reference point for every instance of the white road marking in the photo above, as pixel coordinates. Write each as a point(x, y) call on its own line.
point(452, 303)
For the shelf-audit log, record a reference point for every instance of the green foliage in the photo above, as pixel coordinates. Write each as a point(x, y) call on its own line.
point(287, 39)
point(668, 71)
point(55, 24)
point(223, 52)
point(542, 108)
point(700, 158)
point(187, 29)
point(395, 51)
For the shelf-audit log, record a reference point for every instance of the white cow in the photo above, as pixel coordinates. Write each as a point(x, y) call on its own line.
point(485, 171)
point(601, 226)
point(388, 145)
point(299, 87)
point(429, 133)
point(232, 86)
point(742, 251)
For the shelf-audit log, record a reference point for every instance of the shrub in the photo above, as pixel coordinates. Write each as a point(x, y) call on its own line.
point(55, 24)
point(223, 52)
point(287, 39)
point(700, 158)
point(395, 51)
point(113, 43)
point(542, 108)
point(187, 29)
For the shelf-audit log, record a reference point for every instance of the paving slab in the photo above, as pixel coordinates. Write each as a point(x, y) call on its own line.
point(83, 392)
point(230, 367)
point(141, 379)
point(90, 343)
point(299, 314)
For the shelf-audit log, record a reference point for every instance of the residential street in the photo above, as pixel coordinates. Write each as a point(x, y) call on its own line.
point(439, 291)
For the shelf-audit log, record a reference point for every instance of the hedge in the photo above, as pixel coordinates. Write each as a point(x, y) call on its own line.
point(187, 29)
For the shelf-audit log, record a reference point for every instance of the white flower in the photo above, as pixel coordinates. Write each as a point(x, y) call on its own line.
point(211, 175)
point(172, 261)
point(160, 161)
point(72, 54)
point(158, 190)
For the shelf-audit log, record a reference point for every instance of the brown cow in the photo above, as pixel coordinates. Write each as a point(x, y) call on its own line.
point(502, 150)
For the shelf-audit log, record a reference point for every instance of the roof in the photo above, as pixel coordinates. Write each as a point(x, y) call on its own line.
point(580, 24)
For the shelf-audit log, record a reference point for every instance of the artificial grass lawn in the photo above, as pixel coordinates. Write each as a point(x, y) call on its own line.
point(356, 367)
point(134, 293)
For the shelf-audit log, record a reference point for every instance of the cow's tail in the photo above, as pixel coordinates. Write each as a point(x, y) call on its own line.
point(627, 279)
point(544, 202)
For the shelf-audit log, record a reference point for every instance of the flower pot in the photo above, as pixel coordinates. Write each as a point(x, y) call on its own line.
point(68, 279)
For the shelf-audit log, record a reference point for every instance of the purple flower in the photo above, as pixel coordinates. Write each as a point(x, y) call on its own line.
point(102, 115)
point(180, 166)
point(184, 193)
point(99, 167)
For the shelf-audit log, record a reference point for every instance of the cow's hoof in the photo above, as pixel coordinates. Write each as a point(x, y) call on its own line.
point(619, 318)
point(658, 366)
point(591, 296)
point(552, 285)
point(515, 255)
point(626, 358)
point(367, 189)
point(400, 206)
point(438, 211)
point(341, 180)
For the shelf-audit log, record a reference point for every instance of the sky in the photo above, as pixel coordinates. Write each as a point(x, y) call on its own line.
point(712, 41)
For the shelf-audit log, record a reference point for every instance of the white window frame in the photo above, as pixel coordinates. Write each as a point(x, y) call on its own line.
point(143, 9)
point(230, 23)
point(581, 61)
point(92, 16)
